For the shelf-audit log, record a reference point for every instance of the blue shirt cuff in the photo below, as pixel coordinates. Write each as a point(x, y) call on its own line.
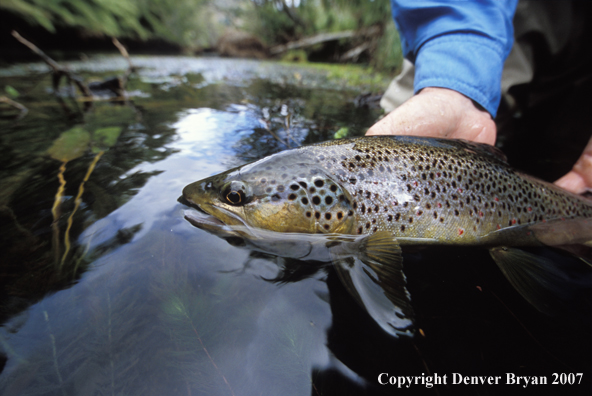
point(467, 63)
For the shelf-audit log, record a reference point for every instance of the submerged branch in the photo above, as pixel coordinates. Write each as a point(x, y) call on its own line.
point(58, 70)
point(77, 202)
point(55, 210)
point(23, 110)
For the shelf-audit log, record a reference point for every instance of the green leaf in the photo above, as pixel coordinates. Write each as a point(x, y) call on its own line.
point(70, 145)
point(341, 133)
point(106, 137)
point(11, 91)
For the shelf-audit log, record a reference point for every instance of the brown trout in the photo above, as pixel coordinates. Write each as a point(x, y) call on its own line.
point(365, 197)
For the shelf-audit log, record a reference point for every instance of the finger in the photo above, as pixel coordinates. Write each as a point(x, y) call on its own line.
point(579, 179)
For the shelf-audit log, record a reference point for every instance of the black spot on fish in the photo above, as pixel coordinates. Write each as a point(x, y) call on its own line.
point(268, 190)
point(317, 215)
point(275, 197)
point(326, 227)
point(280, 188)
point(294, 187)
point(367, 225)
point(304, 200)
point(308, 214)
point(360, 230)
point(263, 181)
point(303, 184)
point(316, 200)
point(328, 200)
point(339, 215)
point(350, 213)
point(403, 228)
point(319, 183)
point(389, 218)
point(333, 188)
point(292, 197)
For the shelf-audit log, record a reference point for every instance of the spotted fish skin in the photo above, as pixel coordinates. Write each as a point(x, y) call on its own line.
point(422, 190)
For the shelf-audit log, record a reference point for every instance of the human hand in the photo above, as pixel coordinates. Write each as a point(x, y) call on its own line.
point(579, 179)
point(438, 112)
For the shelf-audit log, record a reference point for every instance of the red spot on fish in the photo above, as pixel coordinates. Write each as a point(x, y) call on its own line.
point(439, 205)
point(528, 233)
point(563, 218)
point(415, 183)
point(480, 214)
point(529, 209)
point(499, 227)
point(460, 231)
point(479, 288)
point(513, 221)
point(544, 220)
point(460, 190)
point(438, 174)
point(496, 199)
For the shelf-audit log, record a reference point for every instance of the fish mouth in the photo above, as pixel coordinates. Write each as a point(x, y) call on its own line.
point(197, 216)
point(207, 217)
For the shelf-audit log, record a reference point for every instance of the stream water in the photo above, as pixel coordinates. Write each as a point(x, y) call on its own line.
point(106, 289)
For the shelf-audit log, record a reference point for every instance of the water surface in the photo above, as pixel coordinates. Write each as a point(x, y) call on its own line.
point(106, 289)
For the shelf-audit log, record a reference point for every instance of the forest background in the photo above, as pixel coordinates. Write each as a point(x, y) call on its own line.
point(204, 26)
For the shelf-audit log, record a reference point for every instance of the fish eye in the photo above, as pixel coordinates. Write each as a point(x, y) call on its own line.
point(235, 197)
point(234, 193)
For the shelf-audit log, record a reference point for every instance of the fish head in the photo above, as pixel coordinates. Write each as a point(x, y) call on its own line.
point(267, 195)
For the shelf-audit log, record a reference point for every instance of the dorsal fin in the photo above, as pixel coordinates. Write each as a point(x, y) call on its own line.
point(483, 148)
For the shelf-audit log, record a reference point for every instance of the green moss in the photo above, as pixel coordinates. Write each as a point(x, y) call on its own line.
point(355, 76)
point(295, 56)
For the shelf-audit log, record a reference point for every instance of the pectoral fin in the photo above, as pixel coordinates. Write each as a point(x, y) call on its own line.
point(547, 280)
point(374, 277)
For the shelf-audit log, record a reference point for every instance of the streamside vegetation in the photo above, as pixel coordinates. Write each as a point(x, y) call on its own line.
point(341, 30)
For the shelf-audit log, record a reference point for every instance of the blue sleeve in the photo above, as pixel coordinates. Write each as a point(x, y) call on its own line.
point(457, 44)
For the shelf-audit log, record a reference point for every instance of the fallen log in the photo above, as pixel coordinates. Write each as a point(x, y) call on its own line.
point(324, 37)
